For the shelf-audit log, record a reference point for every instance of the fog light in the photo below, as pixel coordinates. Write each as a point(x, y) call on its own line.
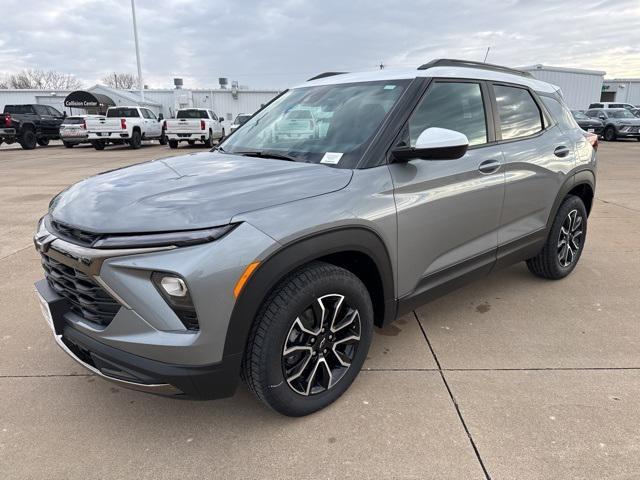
point(174, 286)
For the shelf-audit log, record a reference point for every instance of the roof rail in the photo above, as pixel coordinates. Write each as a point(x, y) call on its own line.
point(449, 62)
point(325, 74)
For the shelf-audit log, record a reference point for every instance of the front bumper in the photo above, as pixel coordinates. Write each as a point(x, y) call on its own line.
point(132, 371)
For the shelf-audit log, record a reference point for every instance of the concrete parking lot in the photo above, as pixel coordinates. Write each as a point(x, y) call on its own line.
point(509, 378)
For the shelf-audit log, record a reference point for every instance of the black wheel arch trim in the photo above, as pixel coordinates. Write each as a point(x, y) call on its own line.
point(300, 252)
point(582, 177)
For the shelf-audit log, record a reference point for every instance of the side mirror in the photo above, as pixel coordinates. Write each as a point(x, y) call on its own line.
point(435, 144)
point(64, 114)
point(220, 119)
point(602, 116)
point(160, 117)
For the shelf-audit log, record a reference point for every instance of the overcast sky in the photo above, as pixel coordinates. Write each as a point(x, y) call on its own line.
point(279, 43)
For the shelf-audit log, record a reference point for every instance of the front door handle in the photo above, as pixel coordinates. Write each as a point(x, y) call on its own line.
point(489, 166)
point(561, 151)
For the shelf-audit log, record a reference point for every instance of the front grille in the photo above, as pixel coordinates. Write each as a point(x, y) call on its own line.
point(88, 299)
point(75, 235)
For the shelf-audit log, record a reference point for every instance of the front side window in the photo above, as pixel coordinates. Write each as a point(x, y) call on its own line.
point(519, 115)
point(54, 112)
point(455, 106)
point(145, 113)
point(41, 110)
point(307, 123)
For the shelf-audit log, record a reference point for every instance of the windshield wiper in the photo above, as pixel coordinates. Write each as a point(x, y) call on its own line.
point(266, 154)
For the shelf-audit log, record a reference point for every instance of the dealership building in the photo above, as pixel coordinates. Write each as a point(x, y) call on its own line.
point(225, 102)
point(623, 90)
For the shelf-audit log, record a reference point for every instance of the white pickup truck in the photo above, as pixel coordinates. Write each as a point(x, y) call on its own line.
point(192, 125)
point(129, 125)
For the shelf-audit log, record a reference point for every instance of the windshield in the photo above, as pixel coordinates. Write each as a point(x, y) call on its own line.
point(579, 115)
point(324, 124)
point(241, 119)
point(192, 114)
point(620, 114)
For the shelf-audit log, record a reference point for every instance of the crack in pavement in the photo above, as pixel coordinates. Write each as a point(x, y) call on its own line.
point(455, 403)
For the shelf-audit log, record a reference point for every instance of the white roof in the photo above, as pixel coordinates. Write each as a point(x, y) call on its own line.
point(444, 71)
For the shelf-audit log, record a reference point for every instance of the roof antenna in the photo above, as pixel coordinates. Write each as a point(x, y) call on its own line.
point(486, 55)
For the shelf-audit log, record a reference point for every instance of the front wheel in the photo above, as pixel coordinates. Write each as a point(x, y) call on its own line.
point(309, 339)
point(610, 134)
point(565, 242)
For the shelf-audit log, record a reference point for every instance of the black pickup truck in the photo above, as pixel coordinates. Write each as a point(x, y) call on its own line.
point(30, 125)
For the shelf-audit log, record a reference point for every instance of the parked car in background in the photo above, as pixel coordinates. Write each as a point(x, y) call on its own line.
point(30, 125)
point(588, 124)
point(297, 123)
point(628, 106)
point(618, 122)
point(193, 125)
point(73, 130)
point(273, 257)
point(240, 120)
point(635, 111)
point(130, 125)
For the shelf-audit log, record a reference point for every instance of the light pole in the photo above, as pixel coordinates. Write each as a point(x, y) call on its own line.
point(135, 37)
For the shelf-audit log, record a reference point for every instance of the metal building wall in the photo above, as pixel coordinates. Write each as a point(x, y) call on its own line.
point(627, 90)
point(579, 87)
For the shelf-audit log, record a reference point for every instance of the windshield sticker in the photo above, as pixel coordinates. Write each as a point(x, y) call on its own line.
point(332, 158)
point(389, 87)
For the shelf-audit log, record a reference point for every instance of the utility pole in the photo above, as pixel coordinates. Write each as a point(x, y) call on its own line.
point(135, 37)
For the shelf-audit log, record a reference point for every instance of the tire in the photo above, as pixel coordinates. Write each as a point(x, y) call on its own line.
point(173, 144)
point(163, 139)
point(569, 228)
point(28, 139)
point(136, 140)
point(98, 144)
point(43, 142)
point(191, 142)
point(290, 317)
point(68, 144)
point(610, 134)
point(209, 141)
point(222, 137)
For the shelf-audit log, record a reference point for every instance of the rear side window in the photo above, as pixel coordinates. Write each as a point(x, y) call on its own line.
point(19, 109)
point(518, 112)
point(595, 105)
point(456, 106)
point(41, 110)
point(192, 114)
point(123, 112)
point(593, 113)
point(560, 113)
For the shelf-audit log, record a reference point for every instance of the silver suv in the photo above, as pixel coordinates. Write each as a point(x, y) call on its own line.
point(273, 257)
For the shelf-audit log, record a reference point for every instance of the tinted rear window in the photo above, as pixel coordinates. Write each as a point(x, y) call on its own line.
point(192, 114)
point(242, 119)
point(299, 114)
point(123, 112)
point(19, 109)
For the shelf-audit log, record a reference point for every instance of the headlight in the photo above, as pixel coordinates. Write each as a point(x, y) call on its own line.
point(179, 239)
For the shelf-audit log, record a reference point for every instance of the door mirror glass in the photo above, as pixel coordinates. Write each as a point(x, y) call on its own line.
point(435, 143)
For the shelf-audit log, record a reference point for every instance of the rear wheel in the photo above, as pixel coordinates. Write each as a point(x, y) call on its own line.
point(565, 242)
point(98, 144)
point(163, 139)
point(43, 142)
point(68, 144)
point(309, 340)
point(173, 144)
point(136, 140)
point(28, 139)
point(209, 141)
point(609, 134)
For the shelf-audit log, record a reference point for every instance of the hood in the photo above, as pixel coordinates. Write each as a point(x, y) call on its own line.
point(625, 121)
point(188, 192)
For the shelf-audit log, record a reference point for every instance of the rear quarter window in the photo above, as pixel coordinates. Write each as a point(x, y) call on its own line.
point(560, 113)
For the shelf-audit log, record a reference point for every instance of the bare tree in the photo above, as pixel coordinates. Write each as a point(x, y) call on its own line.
point(40, 79)
point(120, 80)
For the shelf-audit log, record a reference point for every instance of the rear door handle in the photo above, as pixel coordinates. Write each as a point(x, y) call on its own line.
point(489, 166)
point(561, 151)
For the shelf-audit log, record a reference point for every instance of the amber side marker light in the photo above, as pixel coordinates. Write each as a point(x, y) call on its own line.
point(244, 277)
